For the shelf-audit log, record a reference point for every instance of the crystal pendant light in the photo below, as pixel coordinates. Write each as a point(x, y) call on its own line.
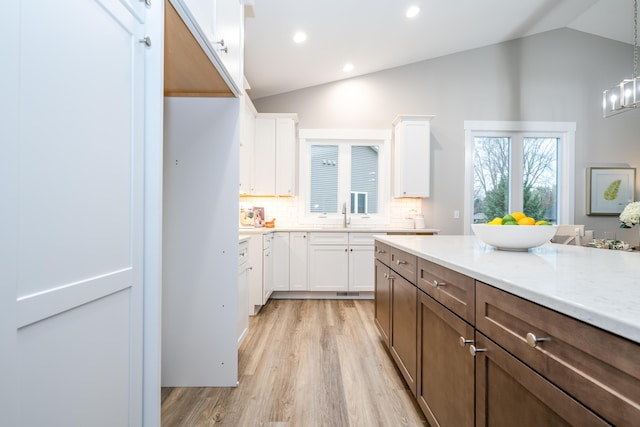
point(625, 95)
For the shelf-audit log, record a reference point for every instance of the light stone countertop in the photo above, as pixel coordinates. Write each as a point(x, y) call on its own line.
point(598, 286)
point(325, 229)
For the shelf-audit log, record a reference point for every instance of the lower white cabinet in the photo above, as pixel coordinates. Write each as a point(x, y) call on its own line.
point(244, 271)
point(281, 261)
point(361, 268)
point(342, 262)
point(298, 266)
point(267, 267)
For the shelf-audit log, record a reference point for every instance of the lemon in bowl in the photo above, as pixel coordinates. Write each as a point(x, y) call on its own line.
point(514, 237)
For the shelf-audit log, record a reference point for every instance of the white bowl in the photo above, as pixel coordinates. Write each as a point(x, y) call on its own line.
point(514, 237)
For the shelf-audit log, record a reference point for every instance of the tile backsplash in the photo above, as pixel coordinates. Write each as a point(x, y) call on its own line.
point(286, 210)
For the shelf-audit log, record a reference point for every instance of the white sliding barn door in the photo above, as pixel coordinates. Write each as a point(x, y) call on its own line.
point(71, 191)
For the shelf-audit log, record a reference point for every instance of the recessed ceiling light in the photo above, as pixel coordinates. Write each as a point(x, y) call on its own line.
point(412, 11)
point(299, 37)
point(347, 67)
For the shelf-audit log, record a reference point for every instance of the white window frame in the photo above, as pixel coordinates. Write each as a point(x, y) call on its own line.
point(377, 137)
point(564, 131)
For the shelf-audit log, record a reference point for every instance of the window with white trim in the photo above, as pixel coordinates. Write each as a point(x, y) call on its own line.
point(344, 169)
point(519, 166)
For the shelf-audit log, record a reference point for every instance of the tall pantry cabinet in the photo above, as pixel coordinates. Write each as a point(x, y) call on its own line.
point(201, 168)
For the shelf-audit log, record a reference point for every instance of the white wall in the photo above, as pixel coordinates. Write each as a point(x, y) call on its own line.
point(553, 76)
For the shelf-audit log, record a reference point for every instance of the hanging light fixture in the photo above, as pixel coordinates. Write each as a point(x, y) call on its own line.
point(625, 95)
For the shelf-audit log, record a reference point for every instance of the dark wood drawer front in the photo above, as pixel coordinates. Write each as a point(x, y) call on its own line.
point(597, 368)
point(382, 311)
point(445, 388)
point(382, 252)
point(404, 264)
point(509, 393)
point(403, 339)
point(455, 291)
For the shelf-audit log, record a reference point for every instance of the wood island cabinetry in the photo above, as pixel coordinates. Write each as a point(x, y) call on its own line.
point(445, 329)
point(483, 356)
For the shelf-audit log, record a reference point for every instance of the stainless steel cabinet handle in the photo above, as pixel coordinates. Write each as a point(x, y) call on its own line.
point(438, 284)
point(463, 341)
point(533, 340)
point(401, 262)
point(147, 2)
point(473, 350)
point(391, 277)
point(380, 251)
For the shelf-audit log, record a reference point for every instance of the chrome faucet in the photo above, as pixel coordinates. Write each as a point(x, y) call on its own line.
point(344, 215)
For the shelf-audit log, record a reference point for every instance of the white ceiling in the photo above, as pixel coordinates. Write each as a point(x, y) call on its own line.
point(375, 35)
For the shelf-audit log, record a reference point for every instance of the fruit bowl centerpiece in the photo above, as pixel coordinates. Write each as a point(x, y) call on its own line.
point(511, 234)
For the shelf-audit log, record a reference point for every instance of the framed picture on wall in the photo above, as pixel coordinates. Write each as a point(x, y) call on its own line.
point(609, 190)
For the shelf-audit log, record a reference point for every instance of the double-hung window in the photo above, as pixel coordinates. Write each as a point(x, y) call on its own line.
point(344, 172)
point(519, 166)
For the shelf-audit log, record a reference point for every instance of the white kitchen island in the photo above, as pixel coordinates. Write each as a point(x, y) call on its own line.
point(482, 336)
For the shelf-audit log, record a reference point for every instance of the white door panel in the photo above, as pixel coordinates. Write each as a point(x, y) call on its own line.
point(76, 135)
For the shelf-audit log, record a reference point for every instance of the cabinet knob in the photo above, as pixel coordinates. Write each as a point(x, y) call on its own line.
point(463, 341)
point(473, 350)
point(533, 340)
point(146, 41)
point(438, 284)
point(386, 276)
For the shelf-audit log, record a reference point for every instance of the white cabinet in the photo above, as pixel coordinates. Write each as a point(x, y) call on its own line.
point(267, 267)
point(244, 271)
point(228, 37)
point(411, 161)
point(328, 261)
point(290, 261)
point(256, 255)
point(298, 252)
point(247, 145)
point(281, 261)
point(361, 262)
point(221, 23)
point(341, 262)
point(275, 154)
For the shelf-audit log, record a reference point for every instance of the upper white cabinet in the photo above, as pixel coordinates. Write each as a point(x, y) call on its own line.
point(228, 37)
point(204, 48)
point(275, 154)
point(411, 150)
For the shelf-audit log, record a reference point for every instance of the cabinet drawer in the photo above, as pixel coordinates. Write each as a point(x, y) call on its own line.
point(597, 368)
point(328, 238)
point(361, 238)
point(453, 290)
point(404, 264)
point(383, 252)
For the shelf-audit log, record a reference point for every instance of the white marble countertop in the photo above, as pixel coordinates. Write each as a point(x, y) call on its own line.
point(598, 286)
point(350, 229)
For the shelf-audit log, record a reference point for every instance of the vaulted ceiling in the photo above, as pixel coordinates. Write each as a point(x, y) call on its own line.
point(374, 35)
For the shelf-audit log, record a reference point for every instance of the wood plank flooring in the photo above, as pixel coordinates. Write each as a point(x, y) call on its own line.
point(304, 363)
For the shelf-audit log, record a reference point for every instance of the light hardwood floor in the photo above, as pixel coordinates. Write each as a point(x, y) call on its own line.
point(305, 363)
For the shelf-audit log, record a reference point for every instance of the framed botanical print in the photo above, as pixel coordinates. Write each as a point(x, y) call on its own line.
point(609, 190)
